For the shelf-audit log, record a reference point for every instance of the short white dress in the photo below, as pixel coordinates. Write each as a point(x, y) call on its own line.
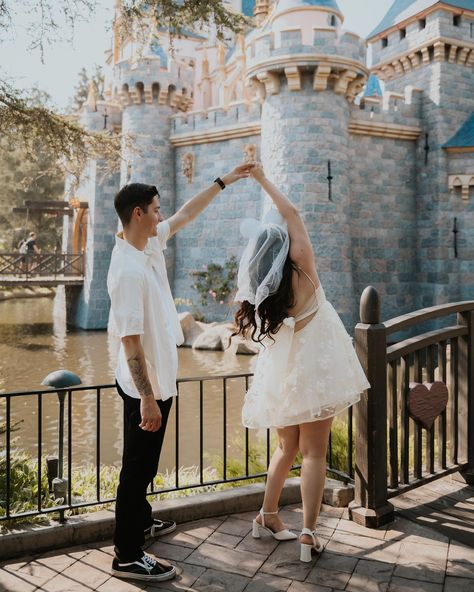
point(307, 375)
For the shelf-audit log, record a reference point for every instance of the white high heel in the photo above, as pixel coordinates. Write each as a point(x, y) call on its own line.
point(306, 549)
point(282, 535)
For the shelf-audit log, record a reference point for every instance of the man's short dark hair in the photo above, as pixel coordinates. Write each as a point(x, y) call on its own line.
point(132, 196)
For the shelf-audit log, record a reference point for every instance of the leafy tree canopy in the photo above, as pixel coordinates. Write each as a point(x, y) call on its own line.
point(64, 142)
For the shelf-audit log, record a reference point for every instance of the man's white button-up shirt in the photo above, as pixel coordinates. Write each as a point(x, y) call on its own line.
point(142, 304)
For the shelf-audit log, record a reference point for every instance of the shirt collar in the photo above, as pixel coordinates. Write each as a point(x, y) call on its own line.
point(126, 248)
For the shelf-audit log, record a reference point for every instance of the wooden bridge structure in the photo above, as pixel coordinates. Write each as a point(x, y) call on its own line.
point(44, 269)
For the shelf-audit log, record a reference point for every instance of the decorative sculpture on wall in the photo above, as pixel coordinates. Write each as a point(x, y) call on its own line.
point(427, 401)
point(462, 182)
point(250, 152)
point(187, 166)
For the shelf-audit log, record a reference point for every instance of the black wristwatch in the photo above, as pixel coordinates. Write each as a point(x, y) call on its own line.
point(220, 182)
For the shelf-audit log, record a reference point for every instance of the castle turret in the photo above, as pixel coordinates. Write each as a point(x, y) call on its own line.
point(92, 228)
point(151, 87)
point(309, 72)
point(429, 45)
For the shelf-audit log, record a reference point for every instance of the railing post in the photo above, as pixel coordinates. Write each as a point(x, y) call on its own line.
point(370, 507)
point(466, 399)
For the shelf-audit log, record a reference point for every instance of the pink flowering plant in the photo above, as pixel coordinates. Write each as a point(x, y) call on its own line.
point(215, 282)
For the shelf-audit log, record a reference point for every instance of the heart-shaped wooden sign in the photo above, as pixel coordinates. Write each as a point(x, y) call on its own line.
point(427, 401)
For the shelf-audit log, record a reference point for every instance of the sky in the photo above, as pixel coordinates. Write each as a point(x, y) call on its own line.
point(64, 59)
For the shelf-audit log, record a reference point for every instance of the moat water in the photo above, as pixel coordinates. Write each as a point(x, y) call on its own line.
point(34, 341)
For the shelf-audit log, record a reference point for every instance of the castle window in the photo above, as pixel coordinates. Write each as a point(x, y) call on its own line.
point(384, 41)
point(457, 20)
point(403, 33)
point(332, 21)
point(422, 24)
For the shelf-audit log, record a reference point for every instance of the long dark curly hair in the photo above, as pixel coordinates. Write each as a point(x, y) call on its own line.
point(271, 311)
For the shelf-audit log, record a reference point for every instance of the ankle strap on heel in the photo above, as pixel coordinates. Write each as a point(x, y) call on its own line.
point(311, 533)
point(263, 514)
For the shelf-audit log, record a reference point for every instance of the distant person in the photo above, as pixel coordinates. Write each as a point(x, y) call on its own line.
point(28, 248)
point(144, 316)
point(306, 373)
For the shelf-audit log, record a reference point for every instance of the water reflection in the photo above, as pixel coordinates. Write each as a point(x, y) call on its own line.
point(31, 346)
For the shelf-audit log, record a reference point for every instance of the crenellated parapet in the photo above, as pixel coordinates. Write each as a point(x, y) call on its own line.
point(239, 119)
point(431, 36)
point(306, 39)
point(393, 115)
point(439, 50)
point(146, 82)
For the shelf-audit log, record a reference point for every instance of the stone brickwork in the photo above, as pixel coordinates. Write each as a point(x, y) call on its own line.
point(447, 101)
point(90, 309)
point(214, 237)
point(301, 133)
point(93, 306)
point(388, 217)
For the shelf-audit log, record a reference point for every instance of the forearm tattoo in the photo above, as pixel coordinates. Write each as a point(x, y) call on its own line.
point(139, 374)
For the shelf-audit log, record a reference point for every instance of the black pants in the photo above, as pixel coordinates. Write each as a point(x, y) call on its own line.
point(141, 454)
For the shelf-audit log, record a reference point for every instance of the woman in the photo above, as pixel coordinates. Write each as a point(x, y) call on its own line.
point(307, 371)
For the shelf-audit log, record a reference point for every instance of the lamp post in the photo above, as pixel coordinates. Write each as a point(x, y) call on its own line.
point(59, 380)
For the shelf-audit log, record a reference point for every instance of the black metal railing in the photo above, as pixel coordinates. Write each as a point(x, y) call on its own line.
point(62, 481)
point(29, 265)
point(409, 436)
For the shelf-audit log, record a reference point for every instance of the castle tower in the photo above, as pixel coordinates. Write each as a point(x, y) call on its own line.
point(308, 72)
point(430, 46)
point(151, 87)
point(92, 228)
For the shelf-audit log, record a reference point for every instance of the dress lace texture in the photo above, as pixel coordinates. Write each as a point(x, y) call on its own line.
point(303, 376)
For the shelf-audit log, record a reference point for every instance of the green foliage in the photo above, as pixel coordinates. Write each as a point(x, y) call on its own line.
point(23, 484)
point(177, 15)
point(63, 141)
point(339, 445)
point(29, 177)
point(215, 282)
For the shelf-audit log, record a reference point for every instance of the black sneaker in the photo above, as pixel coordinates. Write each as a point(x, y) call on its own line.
point(159, 528)
point(145, 568)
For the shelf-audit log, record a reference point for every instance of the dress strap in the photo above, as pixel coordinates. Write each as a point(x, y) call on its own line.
point(314, 285)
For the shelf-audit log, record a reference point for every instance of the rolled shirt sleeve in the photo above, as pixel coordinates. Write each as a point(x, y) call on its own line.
point(163, 233)
point(127, 304)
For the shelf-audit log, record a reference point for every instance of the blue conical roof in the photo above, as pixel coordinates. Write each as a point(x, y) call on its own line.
point(404, 9)
point(373, 88)
point(464, 137)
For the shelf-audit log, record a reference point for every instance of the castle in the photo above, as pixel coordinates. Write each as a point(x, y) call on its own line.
point(384, 179)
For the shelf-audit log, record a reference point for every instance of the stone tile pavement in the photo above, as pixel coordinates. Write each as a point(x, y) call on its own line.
point(220, 555)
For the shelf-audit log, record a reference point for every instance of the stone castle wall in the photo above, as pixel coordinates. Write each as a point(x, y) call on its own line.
point(389, 219)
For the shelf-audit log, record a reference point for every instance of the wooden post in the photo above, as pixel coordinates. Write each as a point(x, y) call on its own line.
point(370, 507)
point(466, 399)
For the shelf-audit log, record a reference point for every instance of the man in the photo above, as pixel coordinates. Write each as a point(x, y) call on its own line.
point(143, 315)
point(30, 249)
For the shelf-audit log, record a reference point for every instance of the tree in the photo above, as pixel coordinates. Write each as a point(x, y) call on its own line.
point(21, 179)
point(64, 142)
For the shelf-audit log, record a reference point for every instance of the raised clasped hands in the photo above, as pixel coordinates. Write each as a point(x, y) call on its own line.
point(241, 171)
point(256, 171)
point(252, 169)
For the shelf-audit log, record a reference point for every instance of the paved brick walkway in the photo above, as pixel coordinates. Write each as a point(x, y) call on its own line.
point(219, 554)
